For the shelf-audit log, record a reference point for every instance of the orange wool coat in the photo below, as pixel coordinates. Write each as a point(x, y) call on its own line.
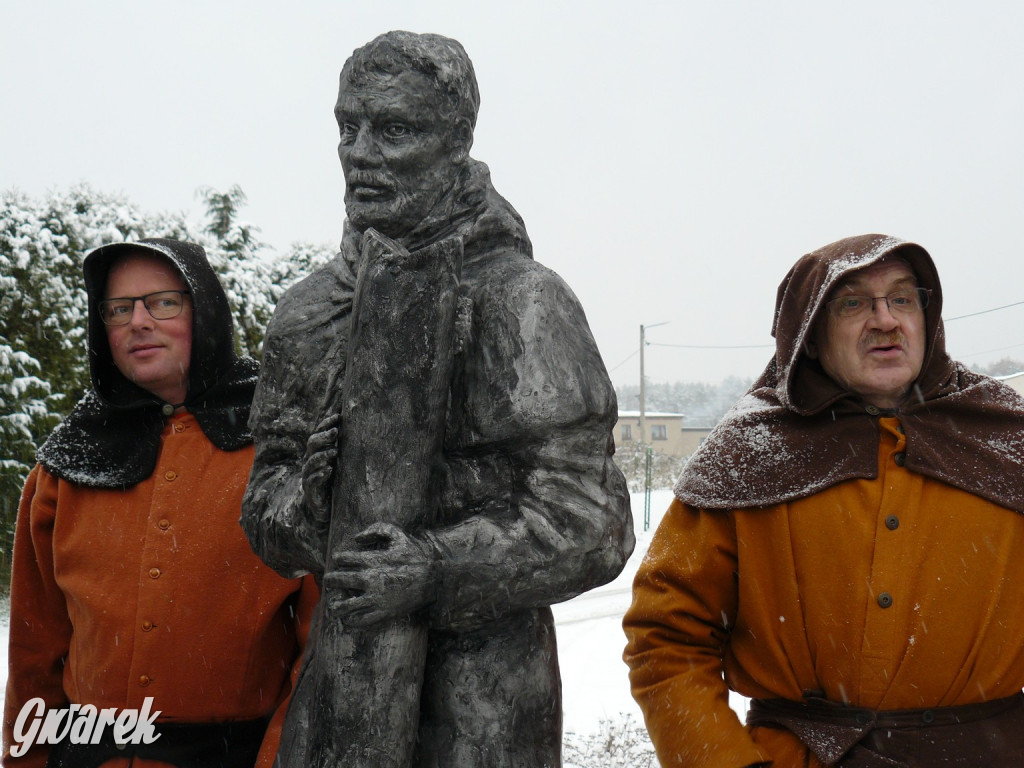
point(152, 591)
point(895, 593)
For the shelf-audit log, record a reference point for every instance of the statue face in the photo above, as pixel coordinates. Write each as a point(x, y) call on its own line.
point(397, 150)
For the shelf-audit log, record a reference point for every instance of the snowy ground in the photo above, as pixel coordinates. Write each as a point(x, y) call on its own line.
point(595, 686)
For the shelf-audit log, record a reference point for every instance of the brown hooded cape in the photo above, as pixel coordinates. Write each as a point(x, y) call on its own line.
point(796, 431)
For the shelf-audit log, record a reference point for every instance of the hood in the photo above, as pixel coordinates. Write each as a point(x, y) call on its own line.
point(111, 439)
point(803, 386)
point(213, 347)
point(797, 432)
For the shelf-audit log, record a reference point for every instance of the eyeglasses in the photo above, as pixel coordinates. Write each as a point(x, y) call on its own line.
point(161, 305)
point(903, 301)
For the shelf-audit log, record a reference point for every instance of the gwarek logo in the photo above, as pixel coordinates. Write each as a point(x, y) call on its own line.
point(82, 724)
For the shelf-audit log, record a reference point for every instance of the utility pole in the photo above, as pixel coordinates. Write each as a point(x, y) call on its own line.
point(643, 383)
point(643, 430)
point(643, 386)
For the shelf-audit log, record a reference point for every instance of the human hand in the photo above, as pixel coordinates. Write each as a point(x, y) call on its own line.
point(318, 469)
point(389, 575)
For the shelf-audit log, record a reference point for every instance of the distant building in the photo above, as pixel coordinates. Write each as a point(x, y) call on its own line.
point(665, 432)
point(1015, 380)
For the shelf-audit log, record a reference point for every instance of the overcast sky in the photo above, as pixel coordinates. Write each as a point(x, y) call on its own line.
point(671, 160)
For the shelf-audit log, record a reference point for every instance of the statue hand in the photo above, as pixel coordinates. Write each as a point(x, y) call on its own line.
point(318, 469)
point(389, 576)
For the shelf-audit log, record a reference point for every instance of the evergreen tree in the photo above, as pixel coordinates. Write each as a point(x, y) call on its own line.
point(43, 366)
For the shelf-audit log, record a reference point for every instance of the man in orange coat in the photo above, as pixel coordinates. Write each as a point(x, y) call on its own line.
point(845, 548)
point(144, 631)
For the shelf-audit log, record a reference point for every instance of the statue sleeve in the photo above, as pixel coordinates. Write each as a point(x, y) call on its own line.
point(535, 511)
point(274, 519)
point(561, 526)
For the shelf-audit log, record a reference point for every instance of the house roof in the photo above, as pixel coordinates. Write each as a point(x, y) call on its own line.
point(651, 415)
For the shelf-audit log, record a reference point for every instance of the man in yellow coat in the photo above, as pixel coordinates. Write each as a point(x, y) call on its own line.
point(845, 548)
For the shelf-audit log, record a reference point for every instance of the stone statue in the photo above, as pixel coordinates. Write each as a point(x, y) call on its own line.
point(433, 441)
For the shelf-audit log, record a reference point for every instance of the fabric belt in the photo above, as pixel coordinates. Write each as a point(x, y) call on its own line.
point(233, 744)
point(989, 734)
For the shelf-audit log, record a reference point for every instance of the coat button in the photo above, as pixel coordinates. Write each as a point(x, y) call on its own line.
point(170, 475)
point(164, 524)
point(179, 427)
point(167, 409)
point(900, 459)
point(892, 522)
point(145, 680)
point(154, 573)
point(884, 600)
point(873, 410)
point(147, 625)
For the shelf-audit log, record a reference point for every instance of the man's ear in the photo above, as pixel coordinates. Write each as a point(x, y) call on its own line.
point(461, 141)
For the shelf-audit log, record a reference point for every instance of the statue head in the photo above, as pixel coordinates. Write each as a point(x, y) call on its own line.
point(407, 106)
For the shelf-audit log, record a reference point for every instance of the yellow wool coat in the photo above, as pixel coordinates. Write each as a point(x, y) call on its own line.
point(152, 591)
point(900, 592)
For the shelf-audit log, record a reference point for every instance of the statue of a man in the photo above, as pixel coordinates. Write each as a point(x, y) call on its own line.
point(530, 509)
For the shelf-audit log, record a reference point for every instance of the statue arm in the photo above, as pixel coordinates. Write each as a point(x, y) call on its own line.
point(276, 516)
point(537, 510)
point(561, 527)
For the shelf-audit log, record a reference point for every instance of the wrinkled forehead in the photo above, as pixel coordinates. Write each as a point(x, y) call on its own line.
point(884, 274)
point(384, 91)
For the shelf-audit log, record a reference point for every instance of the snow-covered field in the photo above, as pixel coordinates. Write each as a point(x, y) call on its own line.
point(595, 687)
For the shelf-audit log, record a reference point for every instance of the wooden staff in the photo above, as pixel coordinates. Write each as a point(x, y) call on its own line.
point(365, 710)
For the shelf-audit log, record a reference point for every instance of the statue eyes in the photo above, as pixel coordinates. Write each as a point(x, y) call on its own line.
point(397, 131)
point(348, 131)
point(389, 131)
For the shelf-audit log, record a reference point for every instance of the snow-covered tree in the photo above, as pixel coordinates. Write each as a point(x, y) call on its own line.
point(237, 255)
point(254, 276)
point(43, 367)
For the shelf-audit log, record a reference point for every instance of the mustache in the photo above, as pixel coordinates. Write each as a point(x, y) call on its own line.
point(369, 179)
point(891, 338)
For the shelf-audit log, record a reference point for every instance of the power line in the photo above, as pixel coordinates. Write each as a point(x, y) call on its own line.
point(635, 353)
point(716, 346)
point(984, 311)
point(772, 346)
